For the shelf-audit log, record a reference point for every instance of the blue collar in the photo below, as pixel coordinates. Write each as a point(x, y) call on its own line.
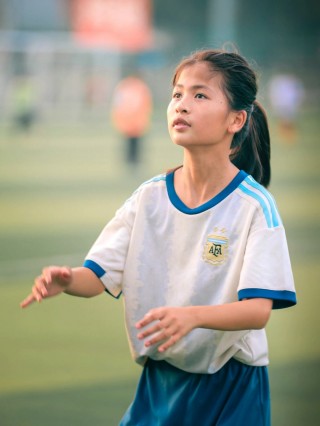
point(175, 200)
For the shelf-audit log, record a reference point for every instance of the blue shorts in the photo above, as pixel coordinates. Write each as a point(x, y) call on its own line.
point(237, 395)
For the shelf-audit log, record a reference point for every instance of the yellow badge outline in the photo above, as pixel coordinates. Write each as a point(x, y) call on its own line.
point(216, 248)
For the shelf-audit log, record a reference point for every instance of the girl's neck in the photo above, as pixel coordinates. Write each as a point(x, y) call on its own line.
point(202, 178)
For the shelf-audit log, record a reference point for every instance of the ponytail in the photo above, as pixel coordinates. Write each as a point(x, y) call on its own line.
point(251, 146)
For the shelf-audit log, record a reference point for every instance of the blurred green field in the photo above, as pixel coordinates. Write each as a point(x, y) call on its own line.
point(67, 362)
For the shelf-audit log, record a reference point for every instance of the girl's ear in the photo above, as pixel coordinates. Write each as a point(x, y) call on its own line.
point(238, 120)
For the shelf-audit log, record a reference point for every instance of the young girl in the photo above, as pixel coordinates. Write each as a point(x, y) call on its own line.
point(200, 257)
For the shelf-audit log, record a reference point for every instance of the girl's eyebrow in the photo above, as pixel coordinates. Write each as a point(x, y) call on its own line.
point(194, 87)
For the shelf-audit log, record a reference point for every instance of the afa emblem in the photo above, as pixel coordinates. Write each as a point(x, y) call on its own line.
point(216, 248)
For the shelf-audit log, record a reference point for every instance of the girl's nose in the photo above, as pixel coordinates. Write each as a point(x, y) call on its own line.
point(182, 107)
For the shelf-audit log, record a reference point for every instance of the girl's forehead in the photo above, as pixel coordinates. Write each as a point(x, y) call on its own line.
point(198, 72)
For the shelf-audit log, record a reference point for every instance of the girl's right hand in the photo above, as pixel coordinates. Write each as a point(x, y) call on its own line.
point(53, 280)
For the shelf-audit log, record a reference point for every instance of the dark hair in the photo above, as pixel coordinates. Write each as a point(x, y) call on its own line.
point(250, 147)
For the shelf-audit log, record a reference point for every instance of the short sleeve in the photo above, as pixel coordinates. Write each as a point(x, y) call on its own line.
point(107, 256)
point(266, 270)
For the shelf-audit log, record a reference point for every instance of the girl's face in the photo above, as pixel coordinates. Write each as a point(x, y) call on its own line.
point(199, 112)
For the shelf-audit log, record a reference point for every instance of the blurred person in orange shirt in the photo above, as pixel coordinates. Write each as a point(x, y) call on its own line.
point(131, 111)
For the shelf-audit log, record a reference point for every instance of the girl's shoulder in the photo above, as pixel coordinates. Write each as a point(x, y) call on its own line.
point(150, 184)
point(262, 199)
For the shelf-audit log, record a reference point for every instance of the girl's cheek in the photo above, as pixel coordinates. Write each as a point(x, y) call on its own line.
point(172, 104)
point(170, 109)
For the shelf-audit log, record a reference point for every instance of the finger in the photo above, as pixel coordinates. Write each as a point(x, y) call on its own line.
point(163, 324)
point(151, 330)
point(27, 301)
point(66, 273)
point(46, 275)
point(40, 287)
point(149, 318)
point(59, 272)
point(163, 335)
point(173, 339)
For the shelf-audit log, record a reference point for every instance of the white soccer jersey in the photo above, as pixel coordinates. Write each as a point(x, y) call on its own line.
point(158, 252)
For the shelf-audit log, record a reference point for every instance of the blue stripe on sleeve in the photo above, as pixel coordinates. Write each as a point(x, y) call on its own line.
point(261, 202)
point(274, 211)
point(281, 298)
point(90, 264)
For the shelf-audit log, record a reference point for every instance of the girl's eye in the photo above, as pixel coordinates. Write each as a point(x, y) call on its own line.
point(176, 95)
point(200, 96)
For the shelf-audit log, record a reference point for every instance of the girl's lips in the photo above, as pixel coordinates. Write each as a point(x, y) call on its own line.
point(180, 123)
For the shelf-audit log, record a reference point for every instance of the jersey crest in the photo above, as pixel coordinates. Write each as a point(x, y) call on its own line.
point(216, 247)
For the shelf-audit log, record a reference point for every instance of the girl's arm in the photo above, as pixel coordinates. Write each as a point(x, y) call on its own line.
point(54, 280)
point(172, 323)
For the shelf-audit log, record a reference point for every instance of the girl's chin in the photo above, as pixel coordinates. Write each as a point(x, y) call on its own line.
point(183, 142)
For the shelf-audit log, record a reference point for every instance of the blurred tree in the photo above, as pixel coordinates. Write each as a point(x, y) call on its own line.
point(270, 31)
point(274, 30)
point(34, 15)
point(280, 30)
point(185, 21)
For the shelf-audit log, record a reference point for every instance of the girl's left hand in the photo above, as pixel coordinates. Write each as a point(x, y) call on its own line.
point(167, 325)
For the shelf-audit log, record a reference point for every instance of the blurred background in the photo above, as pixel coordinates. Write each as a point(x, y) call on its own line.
point(66, 166)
